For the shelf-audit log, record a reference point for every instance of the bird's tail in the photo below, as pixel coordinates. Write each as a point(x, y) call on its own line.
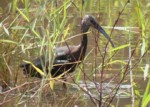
point(23, 65)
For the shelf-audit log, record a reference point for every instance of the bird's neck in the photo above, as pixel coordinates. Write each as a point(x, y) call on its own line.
point(84, 40)
point(83, 47)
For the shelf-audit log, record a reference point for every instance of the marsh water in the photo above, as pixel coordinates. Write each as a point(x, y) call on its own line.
point(126, 31)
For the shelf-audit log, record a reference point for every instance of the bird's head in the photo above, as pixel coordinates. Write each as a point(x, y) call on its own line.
point(89, 21)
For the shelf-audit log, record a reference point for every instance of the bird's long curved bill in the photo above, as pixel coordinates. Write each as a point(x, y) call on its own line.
point(99, 28)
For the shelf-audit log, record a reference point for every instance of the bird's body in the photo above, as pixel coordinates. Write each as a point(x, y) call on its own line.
point(66, 57)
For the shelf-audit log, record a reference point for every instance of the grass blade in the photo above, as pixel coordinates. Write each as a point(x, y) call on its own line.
point(23, 15)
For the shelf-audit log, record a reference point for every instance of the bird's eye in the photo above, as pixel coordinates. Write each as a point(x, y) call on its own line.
point(92, 21)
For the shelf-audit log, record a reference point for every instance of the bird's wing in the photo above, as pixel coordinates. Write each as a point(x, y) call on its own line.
point(39, 62)
point(63, 54)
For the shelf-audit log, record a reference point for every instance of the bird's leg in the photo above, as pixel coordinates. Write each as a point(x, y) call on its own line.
point(64, 84)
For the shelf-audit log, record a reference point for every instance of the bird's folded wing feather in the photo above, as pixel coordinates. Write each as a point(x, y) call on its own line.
point(62, 56)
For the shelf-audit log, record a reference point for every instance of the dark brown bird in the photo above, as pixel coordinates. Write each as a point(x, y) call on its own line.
point(66, 57)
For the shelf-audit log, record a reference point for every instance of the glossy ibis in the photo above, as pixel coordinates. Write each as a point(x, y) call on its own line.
point(66, 57)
